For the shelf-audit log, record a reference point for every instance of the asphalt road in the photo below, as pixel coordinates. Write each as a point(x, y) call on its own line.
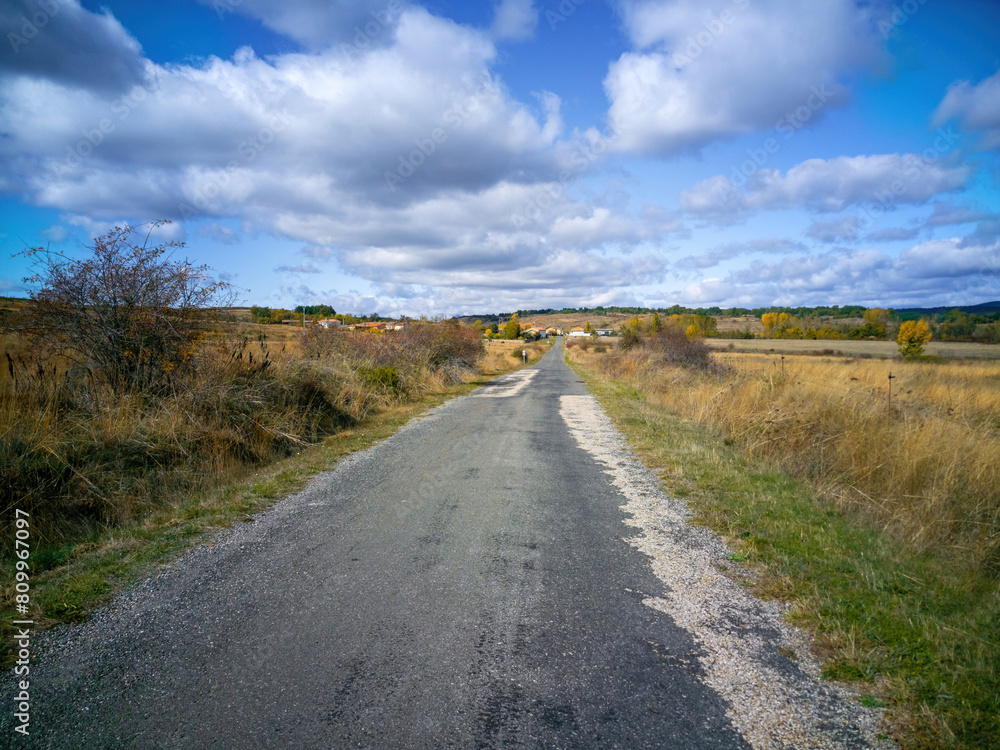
point(464, 584)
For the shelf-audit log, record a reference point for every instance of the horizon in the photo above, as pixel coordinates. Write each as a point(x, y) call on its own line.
point(427, 159)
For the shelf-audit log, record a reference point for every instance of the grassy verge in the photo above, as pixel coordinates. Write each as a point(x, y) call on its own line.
point(916, 632)
point(74, 574)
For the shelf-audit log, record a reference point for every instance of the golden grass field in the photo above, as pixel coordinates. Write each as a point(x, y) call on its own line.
point(929, 469)
point(848, 348)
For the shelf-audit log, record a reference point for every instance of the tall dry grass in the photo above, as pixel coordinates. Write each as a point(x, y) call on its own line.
point(79, 455)
point(927, 469)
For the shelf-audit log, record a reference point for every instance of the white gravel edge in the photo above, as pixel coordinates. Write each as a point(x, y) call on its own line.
point(774, 702)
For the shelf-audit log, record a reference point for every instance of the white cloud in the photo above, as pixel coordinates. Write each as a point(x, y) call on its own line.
point(977, 107)
point(844, 229)
point(945, 214)
point(705, 71)
point(927, 274)
point(892, 234)
point(221, 234)
point(514, 19)
point(827, 185)
point(56, 233)
point(321, 23)
point(766, 245)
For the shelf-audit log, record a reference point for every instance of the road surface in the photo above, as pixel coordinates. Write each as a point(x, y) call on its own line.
point(467, 583)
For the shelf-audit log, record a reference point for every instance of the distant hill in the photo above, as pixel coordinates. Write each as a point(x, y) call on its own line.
point(982, 308)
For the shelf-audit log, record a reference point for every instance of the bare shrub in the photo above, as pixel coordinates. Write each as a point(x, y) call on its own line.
point(672, 345)
point(128, 312)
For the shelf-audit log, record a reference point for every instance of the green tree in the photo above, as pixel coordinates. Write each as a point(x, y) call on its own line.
point(913, 335)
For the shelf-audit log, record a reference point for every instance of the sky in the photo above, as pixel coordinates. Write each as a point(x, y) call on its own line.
point(446, 158)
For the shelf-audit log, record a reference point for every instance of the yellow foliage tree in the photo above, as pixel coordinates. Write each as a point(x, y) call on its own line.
point(913, 335)
point(513, 328)
point(693, 331)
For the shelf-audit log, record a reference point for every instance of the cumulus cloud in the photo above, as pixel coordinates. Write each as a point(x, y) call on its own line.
point(59, 41)
point(704, 71)
point(930, 273)
point(986, 233)
point(298, 140)
point(976, 107)
point(827, 186)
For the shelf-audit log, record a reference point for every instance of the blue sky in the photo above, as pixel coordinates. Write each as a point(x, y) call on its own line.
point(457, 157)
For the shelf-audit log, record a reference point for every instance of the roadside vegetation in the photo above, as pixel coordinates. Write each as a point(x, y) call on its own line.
point(879, 523)
point(134, 418)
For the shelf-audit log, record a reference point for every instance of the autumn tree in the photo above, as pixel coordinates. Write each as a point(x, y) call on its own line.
point(876, 321)
point(128, 312)
point(913, 336)
point(513, 328)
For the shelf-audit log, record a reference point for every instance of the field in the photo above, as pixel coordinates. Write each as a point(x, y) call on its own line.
point(887, 349)
point(878, 523)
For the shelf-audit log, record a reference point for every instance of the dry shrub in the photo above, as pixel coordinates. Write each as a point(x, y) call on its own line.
point(415, 352)
point(76, 451)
